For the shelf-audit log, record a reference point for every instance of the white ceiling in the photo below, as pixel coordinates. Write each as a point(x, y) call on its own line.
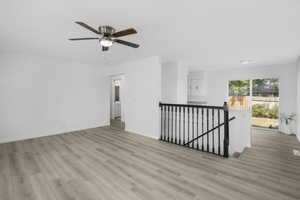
point(206, 33)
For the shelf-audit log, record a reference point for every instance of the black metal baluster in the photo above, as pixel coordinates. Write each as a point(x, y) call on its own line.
point(213, 132)
point(202, 119)
point(197, 128)
point(176, 125)
point(183, 125)
point(161, 121)
point(179, 125)
point(168, 123)
point(193, 123)
point(188, 124)
point(172, 131)
point(165, 123)
point(207, 128)
point(219, 145)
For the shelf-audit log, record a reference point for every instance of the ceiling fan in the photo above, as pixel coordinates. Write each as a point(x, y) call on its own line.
point(108, 36)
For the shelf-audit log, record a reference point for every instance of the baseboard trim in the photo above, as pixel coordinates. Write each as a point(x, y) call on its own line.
point(50, 134)
point(137, 133)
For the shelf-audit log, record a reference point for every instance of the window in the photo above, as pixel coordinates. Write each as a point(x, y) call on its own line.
point(239, 94)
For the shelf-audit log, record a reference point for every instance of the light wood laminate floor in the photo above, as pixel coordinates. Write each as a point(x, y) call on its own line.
point(108, 164)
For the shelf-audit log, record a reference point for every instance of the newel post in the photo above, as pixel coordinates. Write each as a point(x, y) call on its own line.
point(161, 120)
point(226, 130)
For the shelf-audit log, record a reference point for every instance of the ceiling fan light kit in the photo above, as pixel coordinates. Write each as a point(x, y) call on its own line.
point(106, 42)
point(107, 36)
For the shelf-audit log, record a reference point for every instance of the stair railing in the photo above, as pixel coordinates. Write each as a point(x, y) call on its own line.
point(199, 127)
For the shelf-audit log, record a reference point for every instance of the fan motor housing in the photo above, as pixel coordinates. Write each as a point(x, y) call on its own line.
point(106, 30)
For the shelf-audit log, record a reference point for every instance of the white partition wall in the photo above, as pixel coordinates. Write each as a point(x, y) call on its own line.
point(141, 94)
point(174, 82)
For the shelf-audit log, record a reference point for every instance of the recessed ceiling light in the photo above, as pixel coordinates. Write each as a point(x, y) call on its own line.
point(246, 62)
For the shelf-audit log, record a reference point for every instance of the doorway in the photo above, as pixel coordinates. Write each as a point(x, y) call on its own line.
point(116, 115)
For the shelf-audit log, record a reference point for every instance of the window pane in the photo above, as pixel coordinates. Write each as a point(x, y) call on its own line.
point(239, 88)
point(266, 87)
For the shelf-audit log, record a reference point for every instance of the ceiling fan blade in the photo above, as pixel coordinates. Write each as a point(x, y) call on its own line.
point(91, 38)
point(88, 27)
point(125, 32)
point(130, 44)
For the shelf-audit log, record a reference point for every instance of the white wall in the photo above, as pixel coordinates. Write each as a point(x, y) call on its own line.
point(43, 96)
point(142, 94)
point(174, 83)
point(298, 98)
point(182, 84)
point(169, 82)
point(217, 84)
point(239, 131)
